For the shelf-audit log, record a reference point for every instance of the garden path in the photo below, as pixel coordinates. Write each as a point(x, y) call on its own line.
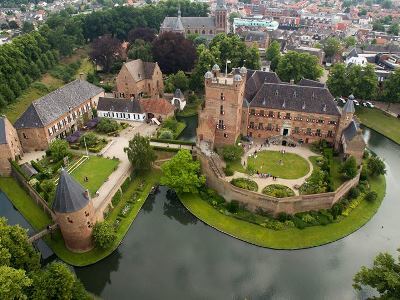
point(302, 151)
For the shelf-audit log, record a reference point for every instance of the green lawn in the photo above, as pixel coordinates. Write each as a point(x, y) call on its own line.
point(379, 121)
point(97, 169)
point(26, 206)
point(293, 166)
point(335, 173)
point(290, 238)
point(95, 255)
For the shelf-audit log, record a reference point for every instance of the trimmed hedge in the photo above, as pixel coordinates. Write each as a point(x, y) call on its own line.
point(245, 183)
point(177, 142)
point(166, 149)
point(37, 166)
point(278, 191)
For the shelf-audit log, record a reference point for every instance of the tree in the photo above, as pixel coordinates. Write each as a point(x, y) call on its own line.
point(232, 152)
point(273, 51)
point(21, 81)
point(177, 81)
point(90, 139)
point(105, 50)
point(13, 283)
point(13, 25)
point(368, 83)
point(294, 65)
point(140, 153)
point(387, 4)
point(15, 87)
point(27, 27)
point(59, 149)
point(376, 166)
point(349, 41)
point(15, 250)
point(56, 281)
point(371, 196)
point(349, 168)
point(104, 235)
point(206, 59)
point(106, 125)
point(7, 93)
point(331, 46)
point(143, 33)
point(337, 80)
point(48, 187)
point(394, 29)
point(391, 90)
point(173, 52)
point(354, 74)
point(140, 50)
point(232, 16)
point(378, 26)
point(182, 173)
point(384, 276)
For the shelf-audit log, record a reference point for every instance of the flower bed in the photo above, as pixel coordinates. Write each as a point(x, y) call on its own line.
point(278, 191)
point(245, 183)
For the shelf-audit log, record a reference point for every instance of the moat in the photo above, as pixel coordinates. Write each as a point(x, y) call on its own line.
point(169, 254)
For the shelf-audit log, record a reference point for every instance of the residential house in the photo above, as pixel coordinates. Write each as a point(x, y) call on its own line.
point(121, 109)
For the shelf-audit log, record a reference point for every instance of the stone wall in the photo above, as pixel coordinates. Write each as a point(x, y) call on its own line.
point(254, 201)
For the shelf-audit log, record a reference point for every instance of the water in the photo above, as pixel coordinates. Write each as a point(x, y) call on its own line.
point(169, 254)
point(189, 133)
point(14, 217)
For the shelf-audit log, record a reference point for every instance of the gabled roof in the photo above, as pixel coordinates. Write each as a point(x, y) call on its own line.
point(295, 98)
point(189, 22)
point(178, 94)
point(3, 135)
point(255, 80)
point(51, 107)
point(70, 195)
point(156, 106)
point(140, 70)
point(309, 82)
point(119, 105)
point(349, 106)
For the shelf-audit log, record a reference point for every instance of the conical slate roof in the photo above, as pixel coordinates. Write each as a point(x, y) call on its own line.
point(349, 106)
point(70, 195)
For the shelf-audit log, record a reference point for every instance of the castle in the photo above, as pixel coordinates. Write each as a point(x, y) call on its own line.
point(259, 105)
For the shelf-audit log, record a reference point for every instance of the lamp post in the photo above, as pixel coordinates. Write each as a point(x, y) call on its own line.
point(226, 67)
point(84, 140)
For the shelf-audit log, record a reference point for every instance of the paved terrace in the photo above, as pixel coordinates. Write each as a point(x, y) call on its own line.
point(302, 151)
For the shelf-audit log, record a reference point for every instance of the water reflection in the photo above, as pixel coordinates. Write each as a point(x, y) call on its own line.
point(189, 133)
point(174, 209)
point(148, 205)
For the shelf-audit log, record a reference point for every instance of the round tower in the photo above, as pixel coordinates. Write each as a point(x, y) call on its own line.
point(74, 213)
point(346, 118)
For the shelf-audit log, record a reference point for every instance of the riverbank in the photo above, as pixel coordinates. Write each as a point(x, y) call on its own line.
point(381, 122)
point(288, 239)
point(38, 219)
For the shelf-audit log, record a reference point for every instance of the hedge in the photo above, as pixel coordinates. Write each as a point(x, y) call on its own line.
point(166, 149)
point(177, 142)
point(37, 166)
point(18, 169)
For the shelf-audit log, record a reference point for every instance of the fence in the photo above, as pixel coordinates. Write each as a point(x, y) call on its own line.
point(254, 201)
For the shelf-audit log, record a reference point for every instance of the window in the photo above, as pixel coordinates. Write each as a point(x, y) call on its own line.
point(203, 32)
point(271, 114)
point(269, 126)
point(320, 121)
point(221, 124)
point(330, 133)
point(279, 115)
point(251, 125)
point(222, 96)
point(69, 220)
point(262, 113)
point(221, 110)
point(332, 122)
point(287, 115)
point(318, 132)
point(296, 130)
point(225, 135)
point(260, 126)
point(252, 112)
point(308, 131)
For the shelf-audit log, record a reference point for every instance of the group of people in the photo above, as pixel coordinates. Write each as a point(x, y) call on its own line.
point(266, 175)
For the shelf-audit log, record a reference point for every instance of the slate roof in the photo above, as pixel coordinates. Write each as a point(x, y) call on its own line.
point(49, 108)
point(138, 67)
point(349, 106)
point(296, 98)
point(119, 105)
point(28, 170)
point(351, 131)
point(193, 22)
point(255, 80)
point(255, 36)
point(309, 82)
point(178, 94)
point(70, 195)
point(3, 135)
point(156, 106)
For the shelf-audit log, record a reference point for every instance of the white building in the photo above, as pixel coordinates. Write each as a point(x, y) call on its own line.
point(120, 109)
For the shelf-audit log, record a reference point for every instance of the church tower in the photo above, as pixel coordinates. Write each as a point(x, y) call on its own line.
point(74, 213)
point(345, 119)
point(221, 17)
point(220, 118)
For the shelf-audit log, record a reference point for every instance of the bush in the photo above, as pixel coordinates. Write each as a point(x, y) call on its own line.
point(349, 168)
point(376, 166)
point(37, 166)
point(371, 196)
point(282, 217)
point(166, 134)
point(116, 198)
point(353, 193)
point(228, 171)
point(364, 174)
point(90, 138)
point(126, 184)
point(106, 125)
point(104, 235)
point(278, 191)
point(233, 206)
point(170, 123)
point(232, 152)
point(245, 183)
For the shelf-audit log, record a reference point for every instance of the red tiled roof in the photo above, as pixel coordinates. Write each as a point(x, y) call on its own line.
point(156, 106)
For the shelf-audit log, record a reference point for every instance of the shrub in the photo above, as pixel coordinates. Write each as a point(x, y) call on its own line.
point(166, 134)
point(170, 123)
point(353, 193)
point(116, 198)
point(126, 184)
point(37, 166)
point(364, 174)
point(376, 166)
point(308, 219)
point(233, 206)
point(299, 223)
point(349, 168)
point(278, 191)
point(90, 138)
point(104, 235)
point(289, 224)
point(371, 196)
point(245, 183)
point(282, 217)
point(106, 125)
point(232, 152)
point(228, 171)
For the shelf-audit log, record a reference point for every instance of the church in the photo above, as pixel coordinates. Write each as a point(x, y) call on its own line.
point(206, 27)
point(259, 106)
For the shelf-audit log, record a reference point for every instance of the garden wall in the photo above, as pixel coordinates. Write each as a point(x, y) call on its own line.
point(32, 193)
point(254, 201)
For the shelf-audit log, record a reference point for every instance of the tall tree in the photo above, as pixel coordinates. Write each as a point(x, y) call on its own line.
point(182, 173)
point(273, 51)
point(331, 46)
point(337, 80)
point(368, 85)
point(383, 276)
point(140, 153)
point(391, 91)
point(140, 49)
point(142, 33)
point(294, 65)
point(105, 50)
point(13, 283)
point(206, 59)
point(173, 52)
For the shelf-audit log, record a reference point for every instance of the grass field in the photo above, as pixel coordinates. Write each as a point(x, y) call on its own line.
point(25, 205)
point(97, 169)
point(379, 121)
point(293, 166)
point(290, 238)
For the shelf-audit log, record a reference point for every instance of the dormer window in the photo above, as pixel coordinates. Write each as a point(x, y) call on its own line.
point(276, 92)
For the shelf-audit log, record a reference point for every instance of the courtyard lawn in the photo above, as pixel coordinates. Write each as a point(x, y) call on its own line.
point(293, 166)
point(95, 255)
point(380, 122)
point(25, 205)
point(97, 169)
point(290, 238)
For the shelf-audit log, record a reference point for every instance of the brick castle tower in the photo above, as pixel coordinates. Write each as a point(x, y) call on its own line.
point(221, 17)
point(74, 213)
point(345, 119)
point(220, 118)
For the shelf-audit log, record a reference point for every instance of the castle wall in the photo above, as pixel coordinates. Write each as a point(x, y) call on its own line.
point(9, 151)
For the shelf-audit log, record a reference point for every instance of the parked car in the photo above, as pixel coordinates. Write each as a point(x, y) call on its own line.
point(340, 101)
point(356, 103)
point(368, 104)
